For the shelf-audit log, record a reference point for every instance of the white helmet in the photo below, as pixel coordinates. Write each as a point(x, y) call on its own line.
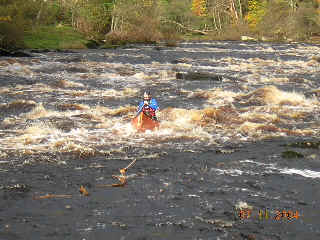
point(147, 96)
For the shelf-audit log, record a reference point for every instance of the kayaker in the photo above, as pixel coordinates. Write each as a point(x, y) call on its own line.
point(149, 105)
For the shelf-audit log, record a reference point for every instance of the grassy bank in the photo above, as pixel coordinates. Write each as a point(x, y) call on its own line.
point(54, 37)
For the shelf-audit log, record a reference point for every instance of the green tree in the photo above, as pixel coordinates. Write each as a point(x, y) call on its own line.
point(256, 11)
point(282, 21)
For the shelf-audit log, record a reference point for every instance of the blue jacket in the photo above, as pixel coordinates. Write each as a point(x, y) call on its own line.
point(153, 104)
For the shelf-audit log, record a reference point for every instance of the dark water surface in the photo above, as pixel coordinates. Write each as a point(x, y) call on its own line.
point(236, 155)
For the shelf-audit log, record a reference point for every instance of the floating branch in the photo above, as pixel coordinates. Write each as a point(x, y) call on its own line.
point(122, 178)
point(83, 191)
point(52, 196)
point(124, 170)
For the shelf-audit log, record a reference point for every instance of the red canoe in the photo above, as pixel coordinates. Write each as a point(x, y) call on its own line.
point(142, 122)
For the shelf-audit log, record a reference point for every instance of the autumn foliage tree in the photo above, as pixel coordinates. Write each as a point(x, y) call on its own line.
point(256, 10)
point(199, 7)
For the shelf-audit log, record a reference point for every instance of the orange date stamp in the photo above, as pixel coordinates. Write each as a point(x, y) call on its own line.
point(265, 214)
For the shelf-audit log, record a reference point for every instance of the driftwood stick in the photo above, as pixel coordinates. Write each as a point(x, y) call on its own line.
point(52, 196)
point(122, 178)
point(184, 27)
point(131, 164)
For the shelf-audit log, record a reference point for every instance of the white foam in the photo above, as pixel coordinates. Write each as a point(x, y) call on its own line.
point(305, 172)
point(272, 166)
point(231, 172)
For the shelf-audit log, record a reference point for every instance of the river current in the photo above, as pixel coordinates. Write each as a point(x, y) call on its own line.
point(236, 155)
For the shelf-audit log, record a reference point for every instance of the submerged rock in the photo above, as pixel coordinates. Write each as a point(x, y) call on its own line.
point(198, 76)
point(316, 58)
point(92, 44)
point(305, 144)
point(225, 151)
point(64, 124)
point(315, 93)
point(248, 236)
point(18, 53)
point(125, 71)
point(16, 107)
point(17, 187)
point(292, 154)
point(180, 60)
point(218, 222)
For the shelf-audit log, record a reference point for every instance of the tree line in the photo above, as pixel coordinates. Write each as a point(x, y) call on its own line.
point(154, 20)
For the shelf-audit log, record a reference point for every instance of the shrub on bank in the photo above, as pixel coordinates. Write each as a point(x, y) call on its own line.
point(141, 23)
point(306, 22)
point(91, 18)
point(23, 15)
point(135, 22)
point(233, 32)
point(282, 21)
point(11, 37)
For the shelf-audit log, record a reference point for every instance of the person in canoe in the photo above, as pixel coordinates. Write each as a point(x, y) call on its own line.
point(149, 106)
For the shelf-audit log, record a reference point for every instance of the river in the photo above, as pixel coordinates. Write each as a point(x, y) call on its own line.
point(236, 155)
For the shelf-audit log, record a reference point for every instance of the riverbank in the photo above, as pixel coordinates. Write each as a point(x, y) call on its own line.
point(60, 37)
point(65, 37)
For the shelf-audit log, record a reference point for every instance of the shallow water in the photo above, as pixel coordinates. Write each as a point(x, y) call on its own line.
point(65, 122)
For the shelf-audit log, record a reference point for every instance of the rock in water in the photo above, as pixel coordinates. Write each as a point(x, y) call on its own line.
point(198, 76)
